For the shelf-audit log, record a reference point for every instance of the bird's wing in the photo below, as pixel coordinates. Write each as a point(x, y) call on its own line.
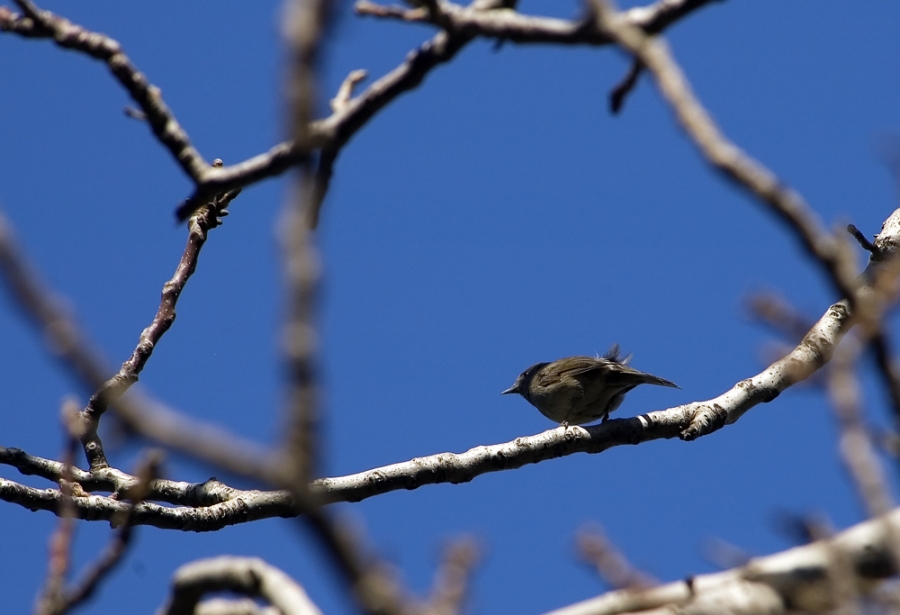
point(617, 374)
point(580, 372)
point(576, 366)
point(567, 369)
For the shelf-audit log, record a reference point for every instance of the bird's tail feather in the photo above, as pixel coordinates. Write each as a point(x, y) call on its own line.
point(627, 375)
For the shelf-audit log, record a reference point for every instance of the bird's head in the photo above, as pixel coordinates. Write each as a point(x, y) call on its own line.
point(522, 383)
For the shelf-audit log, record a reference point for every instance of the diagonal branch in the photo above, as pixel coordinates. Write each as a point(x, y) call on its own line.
point(100, 570)
point(62, 336)
point(36, 23)
point(71, 346)
point(724, 155)
point(333, 132)
point(206, 218)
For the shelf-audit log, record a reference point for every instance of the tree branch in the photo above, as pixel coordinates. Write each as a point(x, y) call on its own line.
point(724, 155)
point(36, 23)
point(687, 422)
point(333, 132)
point(792, 581)
point(830, 252)
point(249, 576)
point(204, 219)
point(532, 29)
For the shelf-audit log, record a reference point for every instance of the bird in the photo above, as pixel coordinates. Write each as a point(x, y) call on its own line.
point(579, 390)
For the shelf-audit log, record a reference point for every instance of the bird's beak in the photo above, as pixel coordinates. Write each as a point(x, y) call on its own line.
point(513, 389)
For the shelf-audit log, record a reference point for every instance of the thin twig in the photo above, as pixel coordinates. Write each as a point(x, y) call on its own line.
point(625, 87)
point(203, 220)
point(855, 445)
point(451, 584)
point(52, 595)
point(321, 183)
point(862, 239)
point(112, 556)
point(152, 420)
point(609, 562)
point(779, 315)
point(345, 92)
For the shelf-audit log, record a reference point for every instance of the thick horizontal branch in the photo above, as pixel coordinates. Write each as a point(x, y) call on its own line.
point(687, 422)
point(251, 506)
point(797, 577)
point(120, 484)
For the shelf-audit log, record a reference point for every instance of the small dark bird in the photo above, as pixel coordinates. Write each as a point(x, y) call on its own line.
point(578, 390)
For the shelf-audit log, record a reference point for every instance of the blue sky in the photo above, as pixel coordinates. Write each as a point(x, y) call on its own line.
point(495, 217)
